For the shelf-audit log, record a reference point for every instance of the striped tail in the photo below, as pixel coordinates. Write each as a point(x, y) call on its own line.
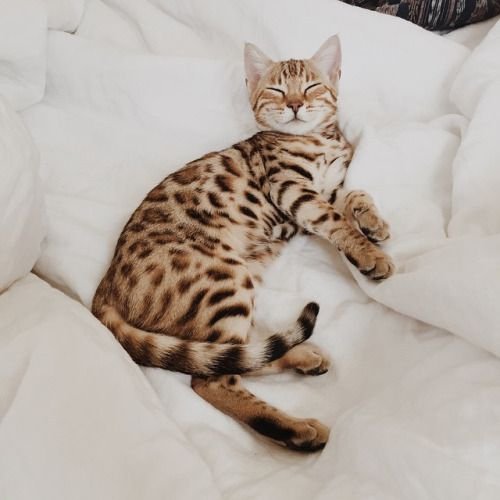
point(206, 358)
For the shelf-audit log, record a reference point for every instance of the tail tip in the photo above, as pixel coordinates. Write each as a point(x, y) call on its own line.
point(307, 319)
point(311, 308)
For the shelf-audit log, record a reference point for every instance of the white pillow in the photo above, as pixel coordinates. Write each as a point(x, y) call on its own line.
point(22, 51)
point(22, 217)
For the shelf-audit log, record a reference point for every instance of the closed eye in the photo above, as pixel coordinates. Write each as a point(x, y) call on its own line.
point(274, 89)
point(311, 87)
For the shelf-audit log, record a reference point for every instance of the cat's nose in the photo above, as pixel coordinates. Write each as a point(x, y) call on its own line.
point(294, 106)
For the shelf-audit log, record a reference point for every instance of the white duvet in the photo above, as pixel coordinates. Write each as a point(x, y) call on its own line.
point(142, 87)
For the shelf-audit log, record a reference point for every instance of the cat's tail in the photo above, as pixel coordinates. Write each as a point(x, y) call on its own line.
point(206, 358)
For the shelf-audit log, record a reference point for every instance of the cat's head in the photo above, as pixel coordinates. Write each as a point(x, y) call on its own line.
point(294, 96)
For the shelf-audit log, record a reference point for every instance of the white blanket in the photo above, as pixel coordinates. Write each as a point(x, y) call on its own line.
point(449, 273)
point(79, 420)
point(22, 213)
point(144, 86)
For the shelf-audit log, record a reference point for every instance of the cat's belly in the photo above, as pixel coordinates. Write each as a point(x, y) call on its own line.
point(261, 257)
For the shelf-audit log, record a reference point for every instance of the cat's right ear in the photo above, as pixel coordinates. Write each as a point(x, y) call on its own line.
point(256, 64)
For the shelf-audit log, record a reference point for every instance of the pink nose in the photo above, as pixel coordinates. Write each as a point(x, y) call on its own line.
point(294, 105)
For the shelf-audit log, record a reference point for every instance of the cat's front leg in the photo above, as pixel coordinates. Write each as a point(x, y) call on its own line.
point(360, 210)
point(310, 210)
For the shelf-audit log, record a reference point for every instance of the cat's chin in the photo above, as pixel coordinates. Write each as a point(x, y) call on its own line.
point(295, 127)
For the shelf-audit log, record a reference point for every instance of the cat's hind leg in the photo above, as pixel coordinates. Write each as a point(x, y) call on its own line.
point(227, 394)
point(306, 359)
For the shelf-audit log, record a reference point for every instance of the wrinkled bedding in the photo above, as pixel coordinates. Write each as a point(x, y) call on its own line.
point(142, 87)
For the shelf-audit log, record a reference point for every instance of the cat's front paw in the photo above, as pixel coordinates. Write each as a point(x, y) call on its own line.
point(371, 224)
point(373, 227)
point(373, 263)
point(363, 214)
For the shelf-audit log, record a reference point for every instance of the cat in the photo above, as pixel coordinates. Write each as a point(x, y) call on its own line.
point(179, 293)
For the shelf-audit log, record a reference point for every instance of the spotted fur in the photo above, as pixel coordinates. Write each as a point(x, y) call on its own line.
point(179, 293)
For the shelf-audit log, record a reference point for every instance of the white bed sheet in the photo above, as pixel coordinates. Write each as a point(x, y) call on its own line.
point(414, 410)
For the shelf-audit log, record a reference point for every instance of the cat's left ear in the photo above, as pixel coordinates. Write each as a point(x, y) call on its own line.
point(256, 64)
point(329, 58)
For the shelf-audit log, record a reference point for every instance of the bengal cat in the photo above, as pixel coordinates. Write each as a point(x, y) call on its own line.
point(179, 293)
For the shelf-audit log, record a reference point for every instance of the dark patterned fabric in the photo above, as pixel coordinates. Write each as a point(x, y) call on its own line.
point(435, 14)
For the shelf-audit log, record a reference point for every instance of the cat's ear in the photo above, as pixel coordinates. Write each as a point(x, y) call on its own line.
point(329, 58)
point(256, 64)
